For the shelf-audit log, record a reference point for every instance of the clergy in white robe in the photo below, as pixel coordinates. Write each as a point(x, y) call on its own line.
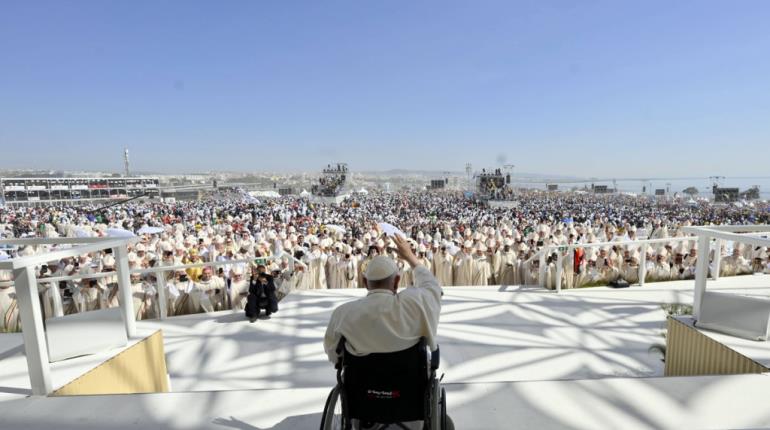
point(348, 272)
point(482, 269)
point(9, 309)
point(508, 267)
point(239, 289)
point(143, 298)
point(209, 292)
point(331, 269)
point(463, 266)
point(442, 262)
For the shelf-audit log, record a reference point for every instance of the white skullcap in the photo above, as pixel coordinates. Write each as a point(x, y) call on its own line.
point(381, 267)
point(140, 248)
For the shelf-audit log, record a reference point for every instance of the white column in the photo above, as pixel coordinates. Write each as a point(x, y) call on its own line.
point(717, 258)
point(559, 270)
point(33, 333)
point(643, 264)
point(701, 274)
point(124, 289)
point(541, 269)
point(162, 299)
point(58, 306)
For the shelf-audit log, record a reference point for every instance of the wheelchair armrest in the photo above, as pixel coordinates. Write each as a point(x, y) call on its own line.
point(435, 359)
point(340, 350)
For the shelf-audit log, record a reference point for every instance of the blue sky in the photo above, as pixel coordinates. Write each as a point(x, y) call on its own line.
point(585, 88)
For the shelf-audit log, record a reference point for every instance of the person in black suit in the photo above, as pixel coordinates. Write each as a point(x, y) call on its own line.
point(261, 294)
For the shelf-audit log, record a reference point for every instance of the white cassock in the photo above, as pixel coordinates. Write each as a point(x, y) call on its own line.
point(581, 278)
point(317, 272)
point(206, 297)
point(631, 273)
point(742, 266)
point(9, 310)
point(239, 292)
point(661, 271)
point(143, 301)
point(348, 273)
point(85, 297)
point(531, 274)
point(508, 269)
point(463, 269)
point(404, 273)
point(362, 269)
point(481, 270)
point(443, 268)
point(184, 304)
point(550, 276)
point(172, 295)
point(497, 265)
point(331, 271)
point(568, 271)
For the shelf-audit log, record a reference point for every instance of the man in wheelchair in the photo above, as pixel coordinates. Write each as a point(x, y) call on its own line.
point(385, 352)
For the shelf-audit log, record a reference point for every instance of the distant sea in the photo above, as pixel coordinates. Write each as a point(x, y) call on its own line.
point(675, 185)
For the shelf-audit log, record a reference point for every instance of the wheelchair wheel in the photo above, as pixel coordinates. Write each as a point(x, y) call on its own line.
point(333, 417)
point(437, 419)
point(443, 415)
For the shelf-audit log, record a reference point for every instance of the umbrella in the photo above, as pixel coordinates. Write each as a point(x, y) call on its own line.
point(119, 232)
point(337, 228)
point(390, 229)
point(150, 230)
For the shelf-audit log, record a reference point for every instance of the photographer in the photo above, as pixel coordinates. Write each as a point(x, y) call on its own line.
point(261, 294)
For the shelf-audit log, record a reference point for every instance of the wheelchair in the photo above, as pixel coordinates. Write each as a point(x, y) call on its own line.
point(386, 390)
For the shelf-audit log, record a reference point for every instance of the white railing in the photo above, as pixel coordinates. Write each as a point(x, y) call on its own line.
point(562, 250)
point(25, 281)
point(58, 307)
point(747, 234)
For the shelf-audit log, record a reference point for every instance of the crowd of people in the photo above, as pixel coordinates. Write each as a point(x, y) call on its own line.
point(302, 245)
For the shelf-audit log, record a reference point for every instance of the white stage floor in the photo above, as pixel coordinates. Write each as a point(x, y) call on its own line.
point(504, 351)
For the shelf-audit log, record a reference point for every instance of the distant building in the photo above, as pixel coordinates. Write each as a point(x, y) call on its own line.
point(53, 190)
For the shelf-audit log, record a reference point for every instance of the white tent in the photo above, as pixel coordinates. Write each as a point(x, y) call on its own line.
point(304, 193)
point(363, 191)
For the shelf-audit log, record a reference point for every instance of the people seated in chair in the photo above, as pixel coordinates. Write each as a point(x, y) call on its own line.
point(386, 320)
point(261, 295)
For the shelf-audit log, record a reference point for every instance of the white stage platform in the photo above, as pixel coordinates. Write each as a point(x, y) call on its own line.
point(510, 355)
